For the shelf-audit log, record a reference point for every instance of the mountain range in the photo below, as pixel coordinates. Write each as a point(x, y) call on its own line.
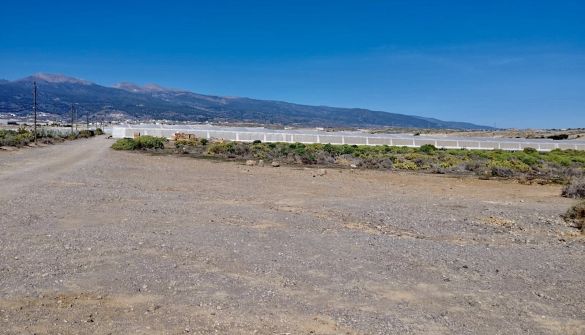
point(56, 93)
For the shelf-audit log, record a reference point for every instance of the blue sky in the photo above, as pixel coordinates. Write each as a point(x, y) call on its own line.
point(504, 63)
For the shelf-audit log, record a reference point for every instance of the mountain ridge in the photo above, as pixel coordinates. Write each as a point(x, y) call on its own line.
point(126, 100)
point(54, 78)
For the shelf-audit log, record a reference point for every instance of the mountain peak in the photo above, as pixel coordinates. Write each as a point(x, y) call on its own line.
point(55, 78)
point(128, 87)
point(148, 88)
point(155, 87)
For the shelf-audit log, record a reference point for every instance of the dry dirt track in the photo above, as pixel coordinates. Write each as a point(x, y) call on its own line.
point(94, 241)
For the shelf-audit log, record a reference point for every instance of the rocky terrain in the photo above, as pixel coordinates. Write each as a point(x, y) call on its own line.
point(97, 241)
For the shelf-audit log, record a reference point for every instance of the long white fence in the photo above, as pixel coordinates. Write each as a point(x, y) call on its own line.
point(351, 138)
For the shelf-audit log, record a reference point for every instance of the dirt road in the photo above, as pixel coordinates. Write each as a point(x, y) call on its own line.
point(94, 241)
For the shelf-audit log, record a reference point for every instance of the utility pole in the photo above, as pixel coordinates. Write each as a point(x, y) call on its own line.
point(35, 108)
point(75, 111)
point(87, 120)
point(71, 112)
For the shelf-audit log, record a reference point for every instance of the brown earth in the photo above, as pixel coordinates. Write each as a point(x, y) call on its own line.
point(94, 241)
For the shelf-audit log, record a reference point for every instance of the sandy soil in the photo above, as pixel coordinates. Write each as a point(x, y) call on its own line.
point(94, 241)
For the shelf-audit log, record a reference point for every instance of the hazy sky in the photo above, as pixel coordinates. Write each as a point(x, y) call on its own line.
point(508, 63)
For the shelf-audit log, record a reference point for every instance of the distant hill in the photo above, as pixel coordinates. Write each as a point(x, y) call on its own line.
point(56, 93)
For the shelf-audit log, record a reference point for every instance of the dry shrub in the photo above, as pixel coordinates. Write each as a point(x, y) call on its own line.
point(575, 189)
point(576, 215)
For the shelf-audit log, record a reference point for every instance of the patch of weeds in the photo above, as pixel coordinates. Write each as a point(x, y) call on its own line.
point(85, 134)
point(405, 165)
point(556, 166)
point(191, 142)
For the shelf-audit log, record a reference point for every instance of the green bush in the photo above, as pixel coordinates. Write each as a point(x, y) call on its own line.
point(142, 142)
point(427, 148)
point(125, 144)
point(217, 148)
point(99, 131)
point(186, 143)
point(329, 148)
point(151, 142)
point(347, 149)
point(16, 138)
point(403, 150)
point(299, 149)
point(528, 159)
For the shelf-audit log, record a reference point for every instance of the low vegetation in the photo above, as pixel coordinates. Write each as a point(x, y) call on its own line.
point(15, 138)
point(575, 189)
point(22, 136)
point(528, 165)
point(576, 216)
point(140, 143)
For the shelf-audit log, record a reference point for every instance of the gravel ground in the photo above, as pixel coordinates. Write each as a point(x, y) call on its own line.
point(94, 241)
